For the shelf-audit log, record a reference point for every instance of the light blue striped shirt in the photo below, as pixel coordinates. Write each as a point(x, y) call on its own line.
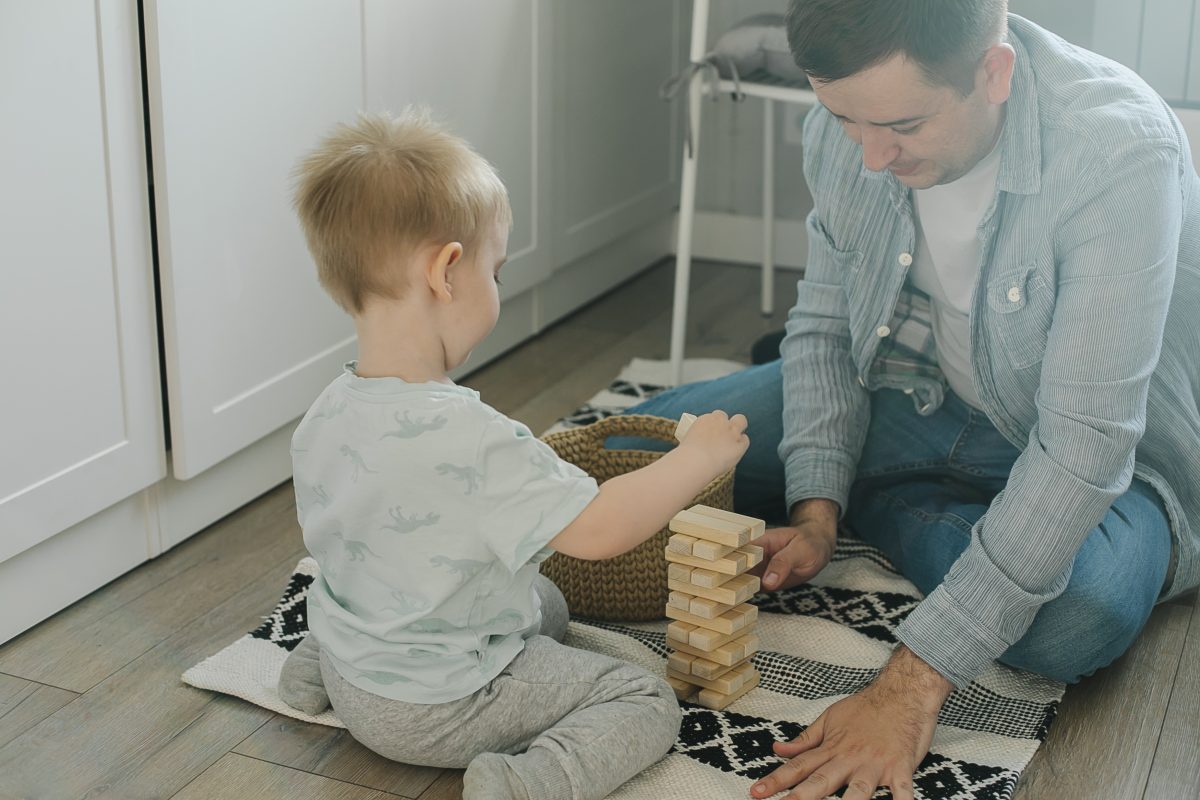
point(1085, 335)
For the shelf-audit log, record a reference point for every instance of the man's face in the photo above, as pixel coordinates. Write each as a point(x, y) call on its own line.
point(925, 135)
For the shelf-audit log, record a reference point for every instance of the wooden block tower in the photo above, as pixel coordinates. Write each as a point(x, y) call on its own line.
point(712, 625)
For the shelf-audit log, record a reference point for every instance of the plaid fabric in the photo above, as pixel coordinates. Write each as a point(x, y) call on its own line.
point(907, 360)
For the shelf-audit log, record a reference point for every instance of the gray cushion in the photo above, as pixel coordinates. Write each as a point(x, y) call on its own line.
point(758, 44)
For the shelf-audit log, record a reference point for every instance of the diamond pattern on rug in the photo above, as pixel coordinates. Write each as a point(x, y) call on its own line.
point(875, 614)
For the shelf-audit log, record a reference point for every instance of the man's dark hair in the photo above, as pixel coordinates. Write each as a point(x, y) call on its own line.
point(834, 39)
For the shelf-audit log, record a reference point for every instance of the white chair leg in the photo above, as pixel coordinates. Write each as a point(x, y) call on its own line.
point(768, 205)
point(687, 196)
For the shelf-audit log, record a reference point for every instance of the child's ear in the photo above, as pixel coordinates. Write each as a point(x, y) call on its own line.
point(437, 270)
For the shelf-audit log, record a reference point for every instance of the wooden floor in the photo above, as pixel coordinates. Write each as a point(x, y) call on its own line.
point(91, 704)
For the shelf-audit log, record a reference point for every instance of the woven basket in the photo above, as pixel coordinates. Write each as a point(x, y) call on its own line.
point(632, 586)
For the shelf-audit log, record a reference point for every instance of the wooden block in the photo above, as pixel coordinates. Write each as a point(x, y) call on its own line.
point(681, 573)
point(710, 528)
point(729, 654)
point(681, 543)
point(731, 621)
point(737, 589)
point(679, 631)
point(681, 662)
point(708, 579)
point(756, 553)
point(735, 562)
point(710, 551)
point(718, 701)
point(712, 670)
point(683, 690)
point(757, 526)
point(706, 608)
point(728, 683)
point(706, 640)
point(685, 422)
point(679, 600)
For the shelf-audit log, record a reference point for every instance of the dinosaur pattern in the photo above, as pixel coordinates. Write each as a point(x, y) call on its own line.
point(466, 567)
point(406, 605)
point(356, 459)
point(410, 428)
point(468, 475)
point(408, 524)
point(355, 551)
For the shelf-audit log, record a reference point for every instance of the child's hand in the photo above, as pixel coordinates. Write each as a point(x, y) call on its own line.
point(717, 437)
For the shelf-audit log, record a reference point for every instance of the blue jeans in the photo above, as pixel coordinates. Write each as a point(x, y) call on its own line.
point(922, 483)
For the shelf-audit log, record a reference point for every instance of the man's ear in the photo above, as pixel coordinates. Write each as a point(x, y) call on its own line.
point(998, 64)
point(437, 270)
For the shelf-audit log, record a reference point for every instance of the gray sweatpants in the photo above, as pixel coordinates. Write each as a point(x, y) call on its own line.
point(557, 723)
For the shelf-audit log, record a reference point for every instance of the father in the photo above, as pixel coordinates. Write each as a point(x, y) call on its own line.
point(992, 368)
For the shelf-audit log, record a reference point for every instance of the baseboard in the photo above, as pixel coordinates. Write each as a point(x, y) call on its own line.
point(587, 278)
point(41, 581)
point(738, 238)
point(184, 508)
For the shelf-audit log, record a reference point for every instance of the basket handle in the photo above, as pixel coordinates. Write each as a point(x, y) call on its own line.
point(640, 426)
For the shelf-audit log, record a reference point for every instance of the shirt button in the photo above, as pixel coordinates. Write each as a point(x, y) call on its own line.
point(1014, 294)
point(882, 331)
point(905, 259)
point(908, 391)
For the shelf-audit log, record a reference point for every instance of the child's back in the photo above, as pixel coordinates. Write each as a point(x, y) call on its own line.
point(428, 512)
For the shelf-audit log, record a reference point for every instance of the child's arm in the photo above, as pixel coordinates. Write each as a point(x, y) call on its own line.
point(631, 508)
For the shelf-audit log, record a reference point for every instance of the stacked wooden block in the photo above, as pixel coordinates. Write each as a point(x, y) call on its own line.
point(712, 625)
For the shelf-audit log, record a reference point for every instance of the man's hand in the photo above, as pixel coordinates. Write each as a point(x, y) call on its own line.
point(871, 739)
point(794, 554)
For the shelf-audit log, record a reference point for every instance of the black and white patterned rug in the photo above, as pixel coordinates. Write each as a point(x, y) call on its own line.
point(819, 642)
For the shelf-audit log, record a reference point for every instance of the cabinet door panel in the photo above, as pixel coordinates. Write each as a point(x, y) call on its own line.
point(483, 81)
point(81, 425)
point(238, 92)
point(617, 136)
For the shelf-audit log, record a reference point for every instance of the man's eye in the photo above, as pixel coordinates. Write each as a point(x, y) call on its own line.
point(906, 131)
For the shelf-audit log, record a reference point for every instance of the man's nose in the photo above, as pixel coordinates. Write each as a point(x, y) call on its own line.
point(879, 148)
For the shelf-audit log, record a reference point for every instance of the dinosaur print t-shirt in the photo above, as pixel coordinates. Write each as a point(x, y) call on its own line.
point(428, 512)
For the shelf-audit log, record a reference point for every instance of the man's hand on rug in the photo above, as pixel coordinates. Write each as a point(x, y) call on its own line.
point(794, 554)
point(871, 739)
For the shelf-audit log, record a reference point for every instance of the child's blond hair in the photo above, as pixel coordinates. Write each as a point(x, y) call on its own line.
point(384, 186)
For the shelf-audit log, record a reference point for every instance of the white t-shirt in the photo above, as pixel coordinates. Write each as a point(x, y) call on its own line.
point(947, 264)
point(428, 512)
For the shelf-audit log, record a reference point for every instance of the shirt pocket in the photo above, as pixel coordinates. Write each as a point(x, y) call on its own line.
point(1022, 306)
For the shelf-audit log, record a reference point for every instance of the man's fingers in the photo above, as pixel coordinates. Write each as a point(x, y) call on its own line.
point(861, 786)
point(788, 775)
point(809, 738)
point(794, 560)
point(901, 785)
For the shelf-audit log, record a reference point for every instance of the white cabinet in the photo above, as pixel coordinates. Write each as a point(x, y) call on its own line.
point(238, 91)
point(80, 417)
point(559, 94)
point(615, 164)
point(482, 68)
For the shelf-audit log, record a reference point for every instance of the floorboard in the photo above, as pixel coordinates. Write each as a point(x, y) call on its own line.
point(333, 753)
point(141, 732)
point(23, 704)
point(236, 777)
point(1175, 772)
point(1102, 743)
